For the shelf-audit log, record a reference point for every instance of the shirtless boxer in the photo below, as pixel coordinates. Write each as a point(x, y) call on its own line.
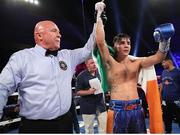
point(122, 77)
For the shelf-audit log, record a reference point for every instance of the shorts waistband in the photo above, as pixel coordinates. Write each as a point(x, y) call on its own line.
point(125, 105)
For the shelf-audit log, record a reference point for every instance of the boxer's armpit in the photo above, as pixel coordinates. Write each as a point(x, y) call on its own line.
point(107, 64)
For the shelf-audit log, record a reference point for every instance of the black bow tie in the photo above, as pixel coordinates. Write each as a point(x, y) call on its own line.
point(49, 52)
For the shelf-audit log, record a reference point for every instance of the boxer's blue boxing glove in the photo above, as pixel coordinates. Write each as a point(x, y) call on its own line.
point(163, 34)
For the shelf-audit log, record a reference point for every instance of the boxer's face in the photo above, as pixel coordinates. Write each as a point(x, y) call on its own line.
point(123, 46)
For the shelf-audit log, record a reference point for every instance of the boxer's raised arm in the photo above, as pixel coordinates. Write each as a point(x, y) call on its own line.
point(162, 34)
point(100, 34)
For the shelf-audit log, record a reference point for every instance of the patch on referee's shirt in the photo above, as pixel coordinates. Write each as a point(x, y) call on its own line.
point(62, 65)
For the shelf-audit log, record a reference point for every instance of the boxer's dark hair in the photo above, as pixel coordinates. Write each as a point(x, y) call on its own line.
point(119, 36)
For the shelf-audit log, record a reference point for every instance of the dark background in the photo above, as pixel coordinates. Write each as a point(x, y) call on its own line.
point(75, 18)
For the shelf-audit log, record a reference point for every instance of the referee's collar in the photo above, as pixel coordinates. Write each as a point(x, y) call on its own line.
point(40, 49)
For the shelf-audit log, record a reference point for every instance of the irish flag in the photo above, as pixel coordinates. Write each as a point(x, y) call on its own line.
point(148, 81)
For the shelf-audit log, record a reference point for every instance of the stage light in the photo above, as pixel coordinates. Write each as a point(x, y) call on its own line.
point(36, 2)
point(31, 1)
point(117, 16)
point(139, 29)
point(174, 59)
